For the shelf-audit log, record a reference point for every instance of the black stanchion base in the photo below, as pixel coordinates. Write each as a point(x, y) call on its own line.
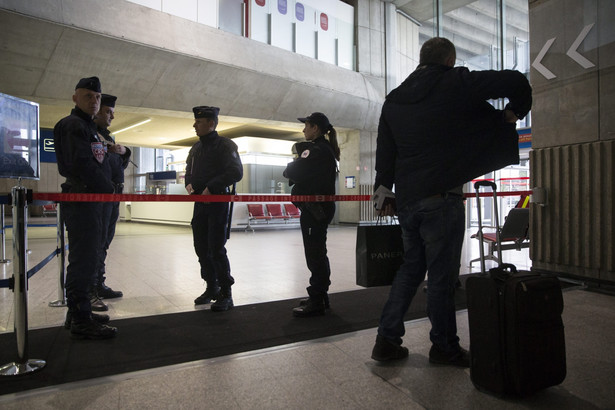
point(17, 369)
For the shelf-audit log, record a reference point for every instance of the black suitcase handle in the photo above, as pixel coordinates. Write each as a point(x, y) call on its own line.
point(503, 272)
point(479, 184)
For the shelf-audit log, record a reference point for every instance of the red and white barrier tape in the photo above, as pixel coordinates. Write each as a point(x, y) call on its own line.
point(55, 197)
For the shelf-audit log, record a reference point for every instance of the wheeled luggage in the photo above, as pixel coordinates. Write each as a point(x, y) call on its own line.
point(517, 344)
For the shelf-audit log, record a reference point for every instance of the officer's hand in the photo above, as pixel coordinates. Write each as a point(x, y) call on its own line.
point(509, 116)
point(189, 189)
point(206, 192)
point(118, 149)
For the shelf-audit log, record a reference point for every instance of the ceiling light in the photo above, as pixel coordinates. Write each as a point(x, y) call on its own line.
point(132, 126)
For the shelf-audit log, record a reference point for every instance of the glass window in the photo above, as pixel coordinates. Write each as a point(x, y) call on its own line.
point(231, 16)
point(259, 21)
point(517, 45)
point(305, 27)
point(327, 30)
point(282, 25)
point(345, 45)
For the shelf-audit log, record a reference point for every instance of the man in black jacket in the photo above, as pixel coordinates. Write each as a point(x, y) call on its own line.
point(83, 161)
point(437, 131)
point(119, 157)
point(212, 165)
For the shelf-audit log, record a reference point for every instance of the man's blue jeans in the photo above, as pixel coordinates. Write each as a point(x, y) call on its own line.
point(433, 231)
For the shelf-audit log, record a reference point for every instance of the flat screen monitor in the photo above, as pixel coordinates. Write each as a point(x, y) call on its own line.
point(19, 138)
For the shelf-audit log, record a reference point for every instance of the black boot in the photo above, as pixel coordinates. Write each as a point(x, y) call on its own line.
point(224, 301)
point(313, 307)
point(106, 292)
point(302, 302)
point(385, 350)
point(102, 319)
point(91, 329)
point(211, 293)
point(97, 304)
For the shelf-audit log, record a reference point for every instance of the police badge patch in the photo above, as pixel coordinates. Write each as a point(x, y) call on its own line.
point(99, 151)
point(305, 153)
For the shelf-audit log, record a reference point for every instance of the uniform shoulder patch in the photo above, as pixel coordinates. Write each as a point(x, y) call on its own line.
point(305, 153)
point(98, 151)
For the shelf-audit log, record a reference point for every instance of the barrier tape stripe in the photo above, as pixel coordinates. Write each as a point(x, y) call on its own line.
point(4, 283)
point(42, 263)
point(55, 197)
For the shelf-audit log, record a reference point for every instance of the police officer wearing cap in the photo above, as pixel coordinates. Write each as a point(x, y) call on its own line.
point(119, 158)
point(314, 173)
point(83, 161)
point(213, 164)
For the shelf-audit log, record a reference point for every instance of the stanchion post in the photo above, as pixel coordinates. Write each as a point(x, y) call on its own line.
point(61, 249)
point(2, 237)
point(23, 365)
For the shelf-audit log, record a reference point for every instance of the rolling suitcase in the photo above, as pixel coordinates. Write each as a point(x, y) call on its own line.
point(517, 342)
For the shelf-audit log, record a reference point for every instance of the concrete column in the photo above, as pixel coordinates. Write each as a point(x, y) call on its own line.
point(572, 50)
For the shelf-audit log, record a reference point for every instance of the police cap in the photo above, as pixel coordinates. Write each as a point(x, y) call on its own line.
point(204, 111)
point(108, 100)
point(90, 83)
point(319, 119)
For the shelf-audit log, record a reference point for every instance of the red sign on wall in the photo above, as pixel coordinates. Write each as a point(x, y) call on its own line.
point(324, 21)
point(260, 2)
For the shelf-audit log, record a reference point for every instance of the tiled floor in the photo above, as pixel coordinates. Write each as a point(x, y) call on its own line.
point(157, 270)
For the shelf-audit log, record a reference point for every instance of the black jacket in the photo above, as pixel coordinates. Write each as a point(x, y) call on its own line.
point(213, 163)
point(437, 131)
point(118, 162)
point(81, 155)
point(314, 171)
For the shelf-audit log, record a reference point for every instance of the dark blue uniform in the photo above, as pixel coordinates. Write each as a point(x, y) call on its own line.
point(111, 210)
point(212, 163)
point(314, 173)
point(82, 160)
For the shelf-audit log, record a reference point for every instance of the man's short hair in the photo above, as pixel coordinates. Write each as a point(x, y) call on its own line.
point(437, 50)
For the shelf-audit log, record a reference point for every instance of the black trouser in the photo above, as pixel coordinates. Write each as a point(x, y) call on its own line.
point(314, 231)
point(110, 215)
point(84, 227)
point(209, 233)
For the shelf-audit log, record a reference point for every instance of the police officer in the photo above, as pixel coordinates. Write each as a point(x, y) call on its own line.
point(119, 157)
point(213, 164)
point(314, 173)
point(82, 160)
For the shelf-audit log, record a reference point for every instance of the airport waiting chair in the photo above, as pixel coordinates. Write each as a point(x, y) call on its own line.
point(50, 209)
point(275, 211)
point(256, 215)
point(292, 211)
point(514, 234)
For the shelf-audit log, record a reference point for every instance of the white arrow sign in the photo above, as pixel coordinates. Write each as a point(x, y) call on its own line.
point(537, 62)
point(574, 54)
